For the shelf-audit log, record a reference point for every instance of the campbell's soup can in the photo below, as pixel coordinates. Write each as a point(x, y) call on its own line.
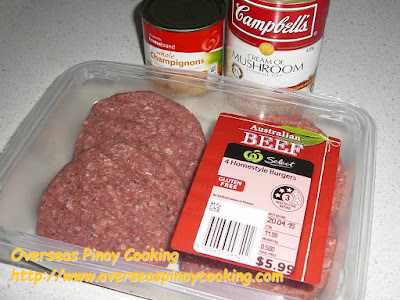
point(275, 43)
point(184, 34)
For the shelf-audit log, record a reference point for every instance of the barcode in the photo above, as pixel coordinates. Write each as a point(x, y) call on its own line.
point(213, 68)
point(229, 237)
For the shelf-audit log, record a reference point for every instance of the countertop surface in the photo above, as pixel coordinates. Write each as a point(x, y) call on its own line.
point(359, 63)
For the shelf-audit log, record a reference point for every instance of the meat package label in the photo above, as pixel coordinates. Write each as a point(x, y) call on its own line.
point(262, 198)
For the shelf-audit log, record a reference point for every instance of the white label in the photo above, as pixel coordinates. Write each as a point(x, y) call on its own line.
point(193, 61)
point(281, 69)
point(229, 231)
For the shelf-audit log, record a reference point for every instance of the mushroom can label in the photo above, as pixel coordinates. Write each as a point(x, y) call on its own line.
point(200, 50)
point(276, 44)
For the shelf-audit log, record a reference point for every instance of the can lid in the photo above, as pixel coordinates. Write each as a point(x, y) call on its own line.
point(183, 15)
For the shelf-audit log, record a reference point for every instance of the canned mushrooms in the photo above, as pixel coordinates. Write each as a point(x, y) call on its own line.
point(184, 34)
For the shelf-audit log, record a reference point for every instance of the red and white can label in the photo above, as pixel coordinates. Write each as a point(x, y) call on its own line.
point(199, 50)
point(275, 44)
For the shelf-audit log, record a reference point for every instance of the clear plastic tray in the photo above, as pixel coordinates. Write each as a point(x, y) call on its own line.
point(44, 143)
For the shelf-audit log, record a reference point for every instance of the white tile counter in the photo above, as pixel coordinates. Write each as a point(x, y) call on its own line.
point(40, 39)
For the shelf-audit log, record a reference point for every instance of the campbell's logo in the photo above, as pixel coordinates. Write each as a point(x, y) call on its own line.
point(271, 23)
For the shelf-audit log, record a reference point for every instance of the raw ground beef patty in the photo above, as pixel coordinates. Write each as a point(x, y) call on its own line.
point(135, 158)
point(112, 204)
point(192, 263)
point(148, 119)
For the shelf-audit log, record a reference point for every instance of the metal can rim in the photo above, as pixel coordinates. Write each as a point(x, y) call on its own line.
point(220, 18)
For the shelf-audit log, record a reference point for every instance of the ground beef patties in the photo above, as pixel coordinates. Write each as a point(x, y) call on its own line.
point(147, 168)
point(117, 204)
point(181, 152)
point(148, 119)
point(55, 220)
point(135, 158)
point(152, 109)
point(64, 202)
